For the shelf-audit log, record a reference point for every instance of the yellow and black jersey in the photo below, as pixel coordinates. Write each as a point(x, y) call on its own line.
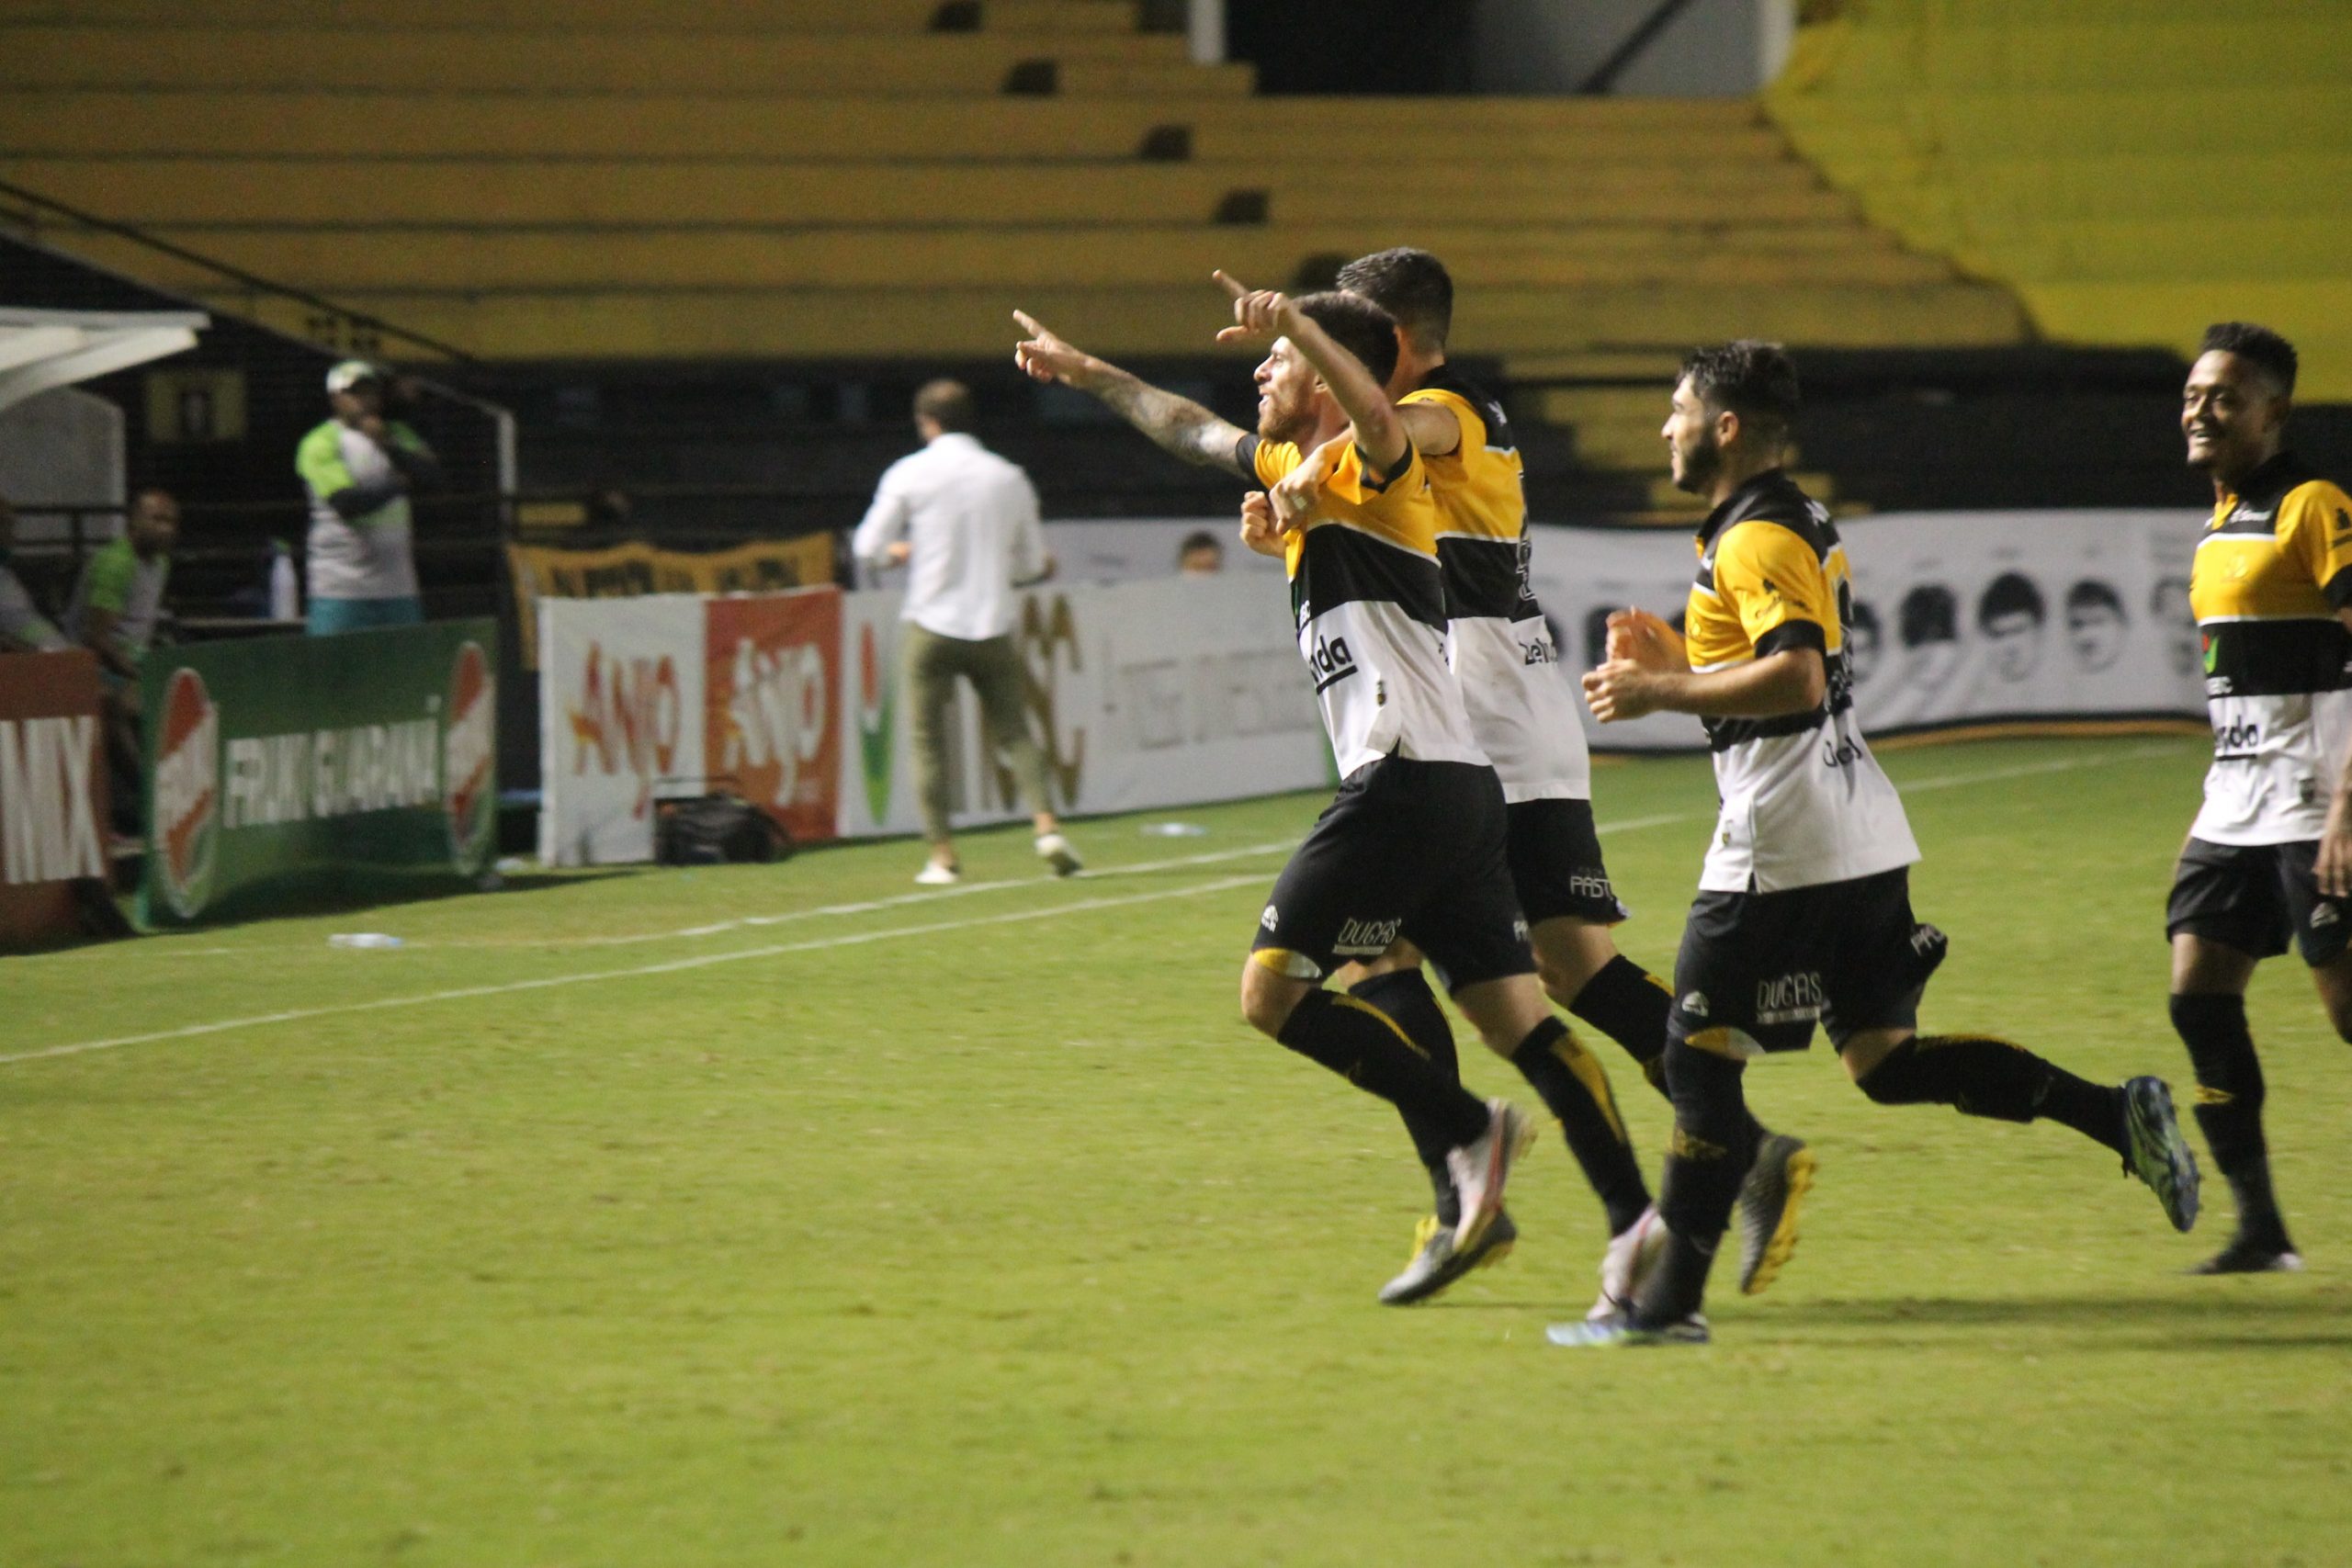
point(1369, 604)
point(1803, 801)
point(2273, 568)
point(1523, 709)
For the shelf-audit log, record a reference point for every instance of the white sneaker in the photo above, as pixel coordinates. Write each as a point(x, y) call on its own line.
point(1481, 1166)
point(1631, 1255)
point(1055, 851)
point(934, 875)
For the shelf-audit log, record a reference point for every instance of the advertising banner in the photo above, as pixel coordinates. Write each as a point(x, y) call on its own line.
point(52, 792)
point(632, 571)
point(1164, 693)
point(281, 769)
point(643, 699)
point(1960, 618)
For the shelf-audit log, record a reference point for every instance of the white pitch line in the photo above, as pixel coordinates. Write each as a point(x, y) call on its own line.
point(673, 966)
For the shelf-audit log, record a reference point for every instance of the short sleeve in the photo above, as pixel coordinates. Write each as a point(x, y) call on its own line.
point(1772, 579)
point(320, 462)
point(1466, 414)
point(2315, 520)
point(107, 586)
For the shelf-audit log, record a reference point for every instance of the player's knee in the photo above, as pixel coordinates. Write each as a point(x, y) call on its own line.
point(1894, 1078)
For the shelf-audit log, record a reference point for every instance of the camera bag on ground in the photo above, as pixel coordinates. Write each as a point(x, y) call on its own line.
point(714, 829)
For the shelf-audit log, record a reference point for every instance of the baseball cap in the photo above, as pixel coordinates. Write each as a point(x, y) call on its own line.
point(351, 372)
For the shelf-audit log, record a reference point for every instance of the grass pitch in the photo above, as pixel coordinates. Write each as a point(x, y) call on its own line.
point(781, 1215)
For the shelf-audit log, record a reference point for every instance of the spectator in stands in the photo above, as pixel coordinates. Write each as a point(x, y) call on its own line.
point(23, 628)
point(118, 602)
point(967, 520)
point(1201, 555)
point(361, 466)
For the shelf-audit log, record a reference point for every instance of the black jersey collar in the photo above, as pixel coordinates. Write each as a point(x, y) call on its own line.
point(1767, 489)
point(2268, 485)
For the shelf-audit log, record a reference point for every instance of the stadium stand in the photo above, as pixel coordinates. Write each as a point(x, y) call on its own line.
point(2132, 168)
point(781, 180)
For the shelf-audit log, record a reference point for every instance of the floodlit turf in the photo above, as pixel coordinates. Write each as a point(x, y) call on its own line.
point(927, 1232)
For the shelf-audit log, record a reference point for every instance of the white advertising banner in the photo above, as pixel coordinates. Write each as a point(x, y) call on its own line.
point(1959, 617)
point(1163, 693)
point(621, 721)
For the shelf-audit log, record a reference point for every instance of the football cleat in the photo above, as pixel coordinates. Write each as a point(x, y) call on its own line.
point(2157, 1152)
point(1435, 1264)
point(1481, 1166)
point(1055, 851)
point(2243, 1255)
point(934, 875)
point(1769, 1201)
point(1631, 1255)
point(1618, 1330)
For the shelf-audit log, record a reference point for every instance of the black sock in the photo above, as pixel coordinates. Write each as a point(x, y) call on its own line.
point(1575, 1089)
point(1405, 995)
point(1704, 1165)
point(1979, 1076)
point(2229, 1107)
point(1365, 1046)
point(1629, 1004)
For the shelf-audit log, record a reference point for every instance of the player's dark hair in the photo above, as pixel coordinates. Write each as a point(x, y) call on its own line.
point(1412, 286)
point(1751, 379)
point(1930, 614)
point(2271, 354)
point(1358, 326)
point(948, 404)
point(2011, 594)
point(2092, 594)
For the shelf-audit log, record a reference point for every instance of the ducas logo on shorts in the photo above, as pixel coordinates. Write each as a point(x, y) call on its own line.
point(470, 756)
point(876, 706)
point(185, 832)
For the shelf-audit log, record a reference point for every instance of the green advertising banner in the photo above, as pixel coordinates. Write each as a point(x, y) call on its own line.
point(288, 770)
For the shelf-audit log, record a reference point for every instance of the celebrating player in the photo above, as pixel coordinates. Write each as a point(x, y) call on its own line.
point(1413, 845)
point(2269, 857)
point(1523, 712)
point(1804, 912)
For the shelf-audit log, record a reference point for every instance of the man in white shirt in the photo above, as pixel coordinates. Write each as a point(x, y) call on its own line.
point(967, 521)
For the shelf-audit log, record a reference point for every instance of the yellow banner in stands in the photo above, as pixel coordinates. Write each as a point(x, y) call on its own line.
point(623, 571)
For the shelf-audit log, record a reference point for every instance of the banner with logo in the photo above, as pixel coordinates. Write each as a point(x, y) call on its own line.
point(52, 792)
point(1173, 692)
point(643, 699)
point(1959, 618)
point(633, 569)
point(281, 770)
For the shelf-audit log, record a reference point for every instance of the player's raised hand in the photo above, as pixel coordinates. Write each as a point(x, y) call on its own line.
point(1047, 358)
point(1257, 530)
point(1297, 495)
point(1256, 313)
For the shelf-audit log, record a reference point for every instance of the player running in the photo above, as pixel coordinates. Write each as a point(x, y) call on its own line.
point(1522, 711)
point(2269, 857)
point(1414, 842)
point(1804, 912)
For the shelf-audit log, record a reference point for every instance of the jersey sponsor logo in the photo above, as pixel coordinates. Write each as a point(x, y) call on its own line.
point(187, 792)
point(1926, 939)
point(470, 757)
point(1790, 998)
point(1838, 752)
point(1539, 652)
point(1364, 939)
point(2237, 740)
point(1330, 662)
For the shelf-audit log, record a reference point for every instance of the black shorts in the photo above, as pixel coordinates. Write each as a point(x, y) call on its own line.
point(1555, 863)
point(2254, 897)
point(1757, 970)
point(1406, 849)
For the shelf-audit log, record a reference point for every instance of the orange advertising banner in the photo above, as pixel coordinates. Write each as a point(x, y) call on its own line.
point(625, 572)
point(771, 669)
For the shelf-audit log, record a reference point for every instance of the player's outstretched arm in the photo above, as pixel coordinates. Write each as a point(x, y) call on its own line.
point(1260, 312)
point(1177, 426)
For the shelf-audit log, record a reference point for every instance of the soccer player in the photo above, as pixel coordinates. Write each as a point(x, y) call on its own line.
point(1804, 911)
point(1413, 845)
point(1522, 711)
point(2269, 856)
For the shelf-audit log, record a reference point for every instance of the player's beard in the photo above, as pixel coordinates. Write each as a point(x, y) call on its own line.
point(1281, 421)
point(1699, 464)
